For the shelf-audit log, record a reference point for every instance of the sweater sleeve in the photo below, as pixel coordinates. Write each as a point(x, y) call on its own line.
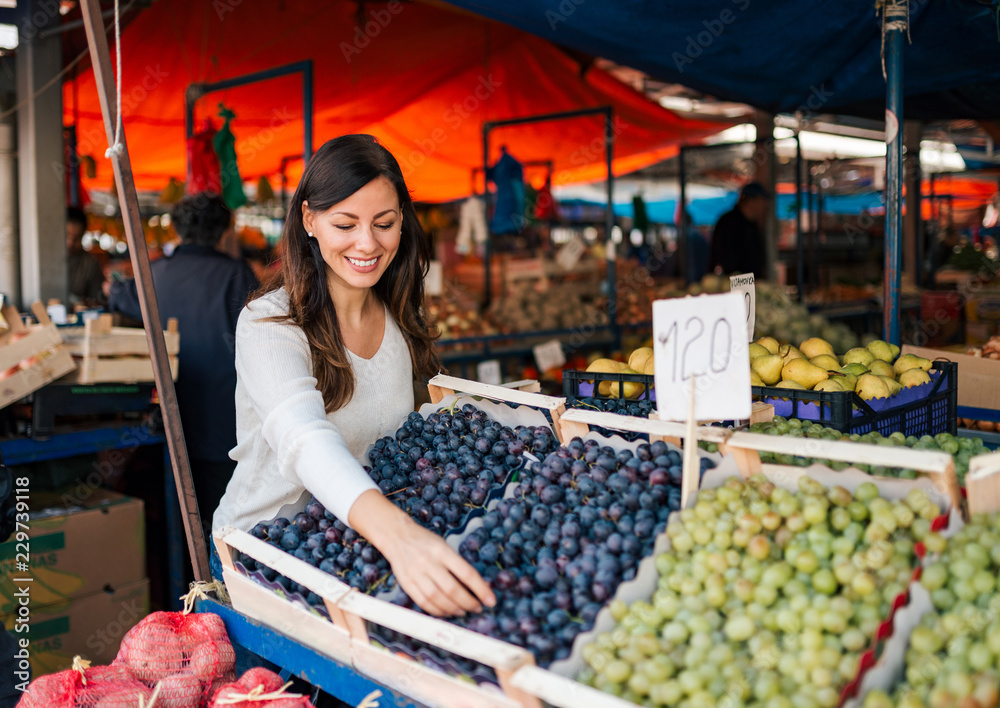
point(273, 362)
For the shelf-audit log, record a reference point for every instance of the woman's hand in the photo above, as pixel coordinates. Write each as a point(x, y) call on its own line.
point(427, 568)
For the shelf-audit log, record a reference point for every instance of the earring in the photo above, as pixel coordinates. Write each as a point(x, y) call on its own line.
point(309, 234)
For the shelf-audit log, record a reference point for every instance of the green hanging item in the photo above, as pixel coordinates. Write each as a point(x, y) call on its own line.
point(225, 147)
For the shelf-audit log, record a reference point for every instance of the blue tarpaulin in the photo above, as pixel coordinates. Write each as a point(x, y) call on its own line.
point(784, 55)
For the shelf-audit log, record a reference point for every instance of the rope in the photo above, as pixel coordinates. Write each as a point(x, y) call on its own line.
point(117, 147)
point(152, 698)
point(199, 591)
point(371, 700)
point(257, 694)
point(895, 18)
point(81, 665)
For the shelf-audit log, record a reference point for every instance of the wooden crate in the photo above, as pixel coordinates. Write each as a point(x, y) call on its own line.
point(105, 353)
point(31, 356)
point(345, 636)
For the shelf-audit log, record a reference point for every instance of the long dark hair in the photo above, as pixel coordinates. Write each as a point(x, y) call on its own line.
point(339, 169)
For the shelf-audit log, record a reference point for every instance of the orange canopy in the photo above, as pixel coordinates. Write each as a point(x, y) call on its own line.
point(421, 77)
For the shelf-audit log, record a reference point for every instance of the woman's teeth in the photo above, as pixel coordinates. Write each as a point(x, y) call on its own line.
point(363, 264)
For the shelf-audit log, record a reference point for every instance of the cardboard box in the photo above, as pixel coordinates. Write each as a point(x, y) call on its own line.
point(98, 541)
point(978, 378)
point(91, 627)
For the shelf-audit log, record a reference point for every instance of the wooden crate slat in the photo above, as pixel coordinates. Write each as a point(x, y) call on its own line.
point(39, 338)
point(118, 342)
point(983, 484)
point(26, 381)
point(424, 684)
point(120, 369)
point(563, 692)
point(650, 426)
point(452, 384)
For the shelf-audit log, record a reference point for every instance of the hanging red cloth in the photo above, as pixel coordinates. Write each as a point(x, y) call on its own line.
point(546, 208)
point(202, 161)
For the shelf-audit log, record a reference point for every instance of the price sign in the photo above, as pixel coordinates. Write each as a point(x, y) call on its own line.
point(701, 337)
point(744, 284)
point(550, 356)
point(570, 253)
point(488, 372)
point(434, 282)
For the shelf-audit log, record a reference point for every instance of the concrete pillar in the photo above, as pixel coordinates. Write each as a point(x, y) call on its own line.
point(766, 173)
point(912, 223)
point(41, 171)
point(10, 264)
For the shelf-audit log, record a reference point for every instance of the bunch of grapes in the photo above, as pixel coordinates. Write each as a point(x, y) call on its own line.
point(953, 655)
point(962, 449)
point(439, 470)
point(621, 406)
point(767, 598)
point(574, 528)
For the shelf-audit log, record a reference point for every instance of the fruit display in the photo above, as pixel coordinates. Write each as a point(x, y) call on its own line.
point(563, 305)
point(990, 350)
point(455, 315)
point(986, 426)
point(875, 371)
point(766, 598)
point(962, 449)
point(787, 321)
point(951, 658)
point(640, 363)
point(439, 470)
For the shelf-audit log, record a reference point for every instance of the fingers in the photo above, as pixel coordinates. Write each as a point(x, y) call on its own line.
point(468, 576)
point(432, 599)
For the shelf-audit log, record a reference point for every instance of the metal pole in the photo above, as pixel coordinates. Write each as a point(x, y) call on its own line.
point(488, 245)
point(800, 266)
point(104, 79)
point(307, 112)
point(682, 225)
point(895, 33)
point(814, 241)
point(609, 226)
point(74, 167)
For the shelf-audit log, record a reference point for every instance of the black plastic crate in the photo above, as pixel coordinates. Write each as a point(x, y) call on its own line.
point(937, 412)
point(573, 379)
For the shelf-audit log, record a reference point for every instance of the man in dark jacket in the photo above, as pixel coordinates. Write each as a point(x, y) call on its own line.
point(738, 241)
point(205, 290)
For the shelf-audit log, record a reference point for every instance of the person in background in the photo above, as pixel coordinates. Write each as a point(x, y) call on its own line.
point(738, 238)
point(205, 290)
point(84, 271)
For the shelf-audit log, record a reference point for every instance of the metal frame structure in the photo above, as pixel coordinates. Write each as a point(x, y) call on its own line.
point(609, 139)
point(896, 17)
point(196, 91)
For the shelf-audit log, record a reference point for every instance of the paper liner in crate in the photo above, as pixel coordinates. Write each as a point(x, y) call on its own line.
point(645, 582)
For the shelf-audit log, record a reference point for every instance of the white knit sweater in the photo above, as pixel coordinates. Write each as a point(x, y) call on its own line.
point(287, 446)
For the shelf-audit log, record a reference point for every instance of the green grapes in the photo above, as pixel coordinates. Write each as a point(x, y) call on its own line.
point(768, 597)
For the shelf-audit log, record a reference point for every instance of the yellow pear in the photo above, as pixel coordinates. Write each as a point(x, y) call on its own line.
point(801, 371)
point(631, 389)
point(894, 350)
point(856, 369)
point(892, 385)
point(791, 384)
point(880, 350)
point(911, 361)
point(914, 377)
point(757, 350)
point(769, 343)
point(755, 380)
point(815, 347)
point(858, 355)
point(604, 366)
point(825, 361)
point(829, 385)
point(768, 368)
point(637, 359)
point(881, 368)
point(650, 368)
point(871, 386)
point(787, 352)
point(847, 380)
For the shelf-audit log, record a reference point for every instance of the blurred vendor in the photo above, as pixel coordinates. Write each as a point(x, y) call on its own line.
point(205, 290)
point(84, 271)
point(738, 238)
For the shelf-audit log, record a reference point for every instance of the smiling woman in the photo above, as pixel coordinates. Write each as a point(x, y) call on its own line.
point(325, 358)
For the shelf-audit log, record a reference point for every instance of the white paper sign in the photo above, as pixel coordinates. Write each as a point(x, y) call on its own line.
point(702, 337)
point(745, 284)
point(434, 282)
point(570, 253)
point(550, 356)
point(488, 372)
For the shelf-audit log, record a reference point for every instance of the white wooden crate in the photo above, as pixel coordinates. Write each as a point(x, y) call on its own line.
point(105, 353)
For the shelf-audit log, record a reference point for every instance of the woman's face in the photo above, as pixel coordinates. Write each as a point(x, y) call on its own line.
point(359, 236)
